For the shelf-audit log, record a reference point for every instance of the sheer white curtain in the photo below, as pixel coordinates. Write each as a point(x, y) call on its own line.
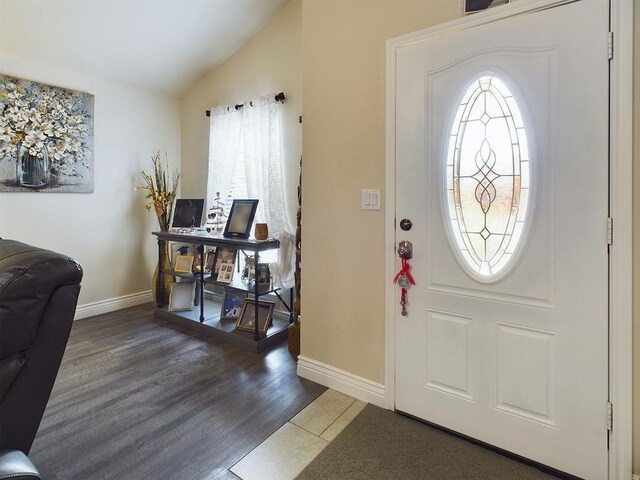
point(224, 146)
point(255, 132)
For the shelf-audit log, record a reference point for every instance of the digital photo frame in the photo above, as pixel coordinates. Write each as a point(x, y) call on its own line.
point(188, 213)
point(240, 218)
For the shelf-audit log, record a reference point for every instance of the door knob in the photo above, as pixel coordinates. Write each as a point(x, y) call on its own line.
point(405, 250)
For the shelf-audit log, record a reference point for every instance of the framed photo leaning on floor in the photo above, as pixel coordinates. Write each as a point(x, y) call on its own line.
point(246, 320)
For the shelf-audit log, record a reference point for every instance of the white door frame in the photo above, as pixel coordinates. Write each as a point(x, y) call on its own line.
point(621, 198)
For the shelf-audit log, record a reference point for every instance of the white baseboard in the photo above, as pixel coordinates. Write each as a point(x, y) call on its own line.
point(636, 476)
point(341, 380)
point(112, 304)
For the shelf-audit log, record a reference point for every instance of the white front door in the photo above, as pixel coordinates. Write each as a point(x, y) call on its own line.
point(501, 157)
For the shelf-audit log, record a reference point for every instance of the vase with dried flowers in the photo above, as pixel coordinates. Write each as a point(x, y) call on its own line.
point(161, 193)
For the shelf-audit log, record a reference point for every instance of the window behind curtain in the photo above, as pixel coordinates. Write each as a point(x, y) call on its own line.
point(245, 161)
point(239, 183)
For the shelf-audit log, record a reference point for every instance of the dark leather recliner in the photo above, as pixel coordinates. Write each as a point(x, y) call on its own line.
point(38, 296)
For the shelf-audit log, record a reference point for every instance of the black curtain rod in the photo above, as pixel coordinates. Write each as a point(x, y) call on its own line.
point(279, 98)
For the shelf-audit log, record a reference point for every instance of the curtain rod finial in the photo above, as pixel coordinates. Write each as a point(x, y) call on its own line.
point(280, 97)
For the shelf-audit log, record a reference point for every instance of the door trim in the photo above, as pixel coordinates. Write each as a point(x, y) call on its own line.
point(621, 198)
point(621, 268)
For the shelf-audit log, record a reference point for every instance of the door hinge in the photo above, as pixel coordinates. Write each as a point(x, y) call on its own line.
point(610, 416)
point(609, 231)
point(610, 46)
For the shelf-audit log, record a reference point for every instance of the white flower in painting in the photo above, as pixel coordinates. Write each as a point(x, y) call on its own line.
point(11, 114)
point(35, 135)
point(59, 150)
point(54, 130)
point(59, 113)
point(74, 146)
point(33, 115)
point(5, 134)
point(82, 129)
point(34, 141)
point(14, 96)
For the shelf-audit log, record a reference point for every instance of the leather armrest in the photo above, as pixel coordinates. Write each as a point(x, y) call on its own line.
point(15, 465)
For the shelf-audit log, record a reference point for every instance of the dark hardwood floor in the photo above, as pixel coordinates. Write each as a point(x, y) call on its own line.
point(140, 398)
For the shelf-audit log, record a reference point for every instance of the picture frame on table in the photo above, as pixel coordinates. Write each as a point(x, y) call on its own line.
point(240, 218)
point(198, 263)
point(263, 274)
point(178, 248)
point(188, 213)
point(232, 303)
point(183, 264)
point(182, 296)
point(223, 255)
point(246, 320)
point(209, 261)
point(225, 275)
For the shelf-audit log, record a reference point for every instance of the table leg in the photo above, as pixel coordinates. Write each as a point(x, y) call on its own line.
point(202, 284)
point(256, 334)
point(159, 282)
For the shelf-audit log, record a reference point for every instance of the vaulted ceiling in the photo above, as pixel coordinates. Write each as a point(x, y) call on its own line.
point(161, 45)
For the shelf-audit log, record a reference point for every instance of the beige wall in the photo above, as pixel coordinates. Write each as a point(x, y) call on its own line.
point(270, 62)
point(344, 58)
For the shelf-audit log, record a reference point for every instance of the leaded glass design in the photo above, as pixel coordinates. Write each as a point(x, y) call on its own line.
point(487, 176)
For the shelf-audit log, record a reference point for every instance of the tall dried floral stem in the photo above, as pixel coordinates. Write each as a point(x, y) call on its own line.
point(159, 194)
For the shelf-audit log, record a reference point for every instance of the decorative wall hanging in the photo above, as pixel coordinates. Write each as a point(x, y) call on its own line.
point(46, 138)
point(471, 6)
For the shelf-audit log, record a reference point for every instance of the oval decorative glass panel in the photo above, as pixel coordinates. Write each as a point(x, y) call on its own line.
point(487, 176)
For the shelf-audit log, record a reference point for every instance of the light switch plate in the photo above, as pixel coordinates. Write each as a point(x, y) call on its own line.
point(370, 199)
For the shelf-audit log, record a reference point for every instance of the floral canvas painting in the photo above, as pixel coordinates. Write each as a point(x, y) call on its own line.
point(46, 138)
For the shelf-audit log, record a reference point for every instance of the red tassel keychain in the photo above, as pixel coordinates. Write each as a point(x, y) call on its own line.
point(404, 279)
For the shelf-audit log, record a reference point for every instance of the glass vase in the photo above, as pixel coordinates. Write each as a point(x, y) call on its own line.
point(32, 170)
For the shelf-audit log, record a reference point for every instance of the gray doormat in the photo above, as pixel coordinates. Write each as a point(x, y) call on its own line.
point(381, 444)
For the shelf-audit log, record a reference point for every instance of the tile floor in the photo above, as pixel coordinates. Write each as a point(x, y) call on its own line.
point(284, 454)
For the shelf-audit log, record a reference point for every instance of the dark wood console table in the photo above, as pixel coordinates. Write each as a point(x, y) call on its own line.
point(213, 325)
